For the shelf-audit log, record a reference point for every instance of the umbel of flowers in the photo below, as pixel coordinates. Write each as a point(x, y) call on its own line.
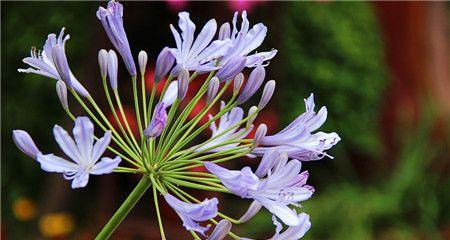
point(166, 151)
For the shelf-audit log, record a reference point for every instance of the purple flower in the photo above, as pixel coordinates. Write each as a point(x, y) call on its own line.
point(183, 83)
point(45, 64)
point(158, 122)
point(213, 88)
point(84, 153)
point(197, 55)
point(112, 22)
point(226, 121)
point(245, 41)
point(297, 139)
point(191, 213)
point(171, 94)
point(284, 186)
point(25, 143)
point(269, 88)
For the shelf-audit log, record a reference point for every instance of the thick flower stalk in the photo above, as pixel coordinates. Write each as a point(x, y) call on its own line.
point(169, 145)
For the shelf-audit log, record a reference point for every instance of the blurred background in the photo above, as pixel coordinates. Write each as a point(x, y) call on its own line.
point(382, 69)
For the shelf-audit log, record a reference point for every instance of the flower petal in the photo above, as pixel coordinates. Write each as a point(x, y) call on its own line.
point(105, 165)
point(100, 146)
point(52, 163)
point(66, 144)
point(83, 133)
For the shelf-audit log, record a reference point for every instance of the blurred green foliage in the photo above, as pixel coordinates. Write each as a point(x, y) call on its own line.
point(334, 50)
point(29, 101)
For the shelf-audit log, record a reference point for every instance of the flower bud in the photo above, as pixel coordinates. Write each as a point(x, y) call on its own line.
point(267, 94)
point(221, 230)
point(164, 63)
point(224, 31)
point(233, 67)
point(158, 122)
point(61, 64)
point(213, 88)
point(251, 212)
point(238, 81)
point(24, 142)
point(103, 62)
point(61, 91)
point(252, 111)
point(259, 135)
point(254, 81)
point(142, 60)
point(171, 93)
point(183, 83)
point(112, 68)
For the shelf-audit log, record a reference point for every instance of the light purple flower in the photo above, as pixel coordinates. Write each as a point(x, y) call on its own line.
point(84, 153)
point(245, 41)
point(284, 186)
point(259, 134)
point(25, 143)
point(297, 139)
point(43, 63)
point(158, 122)
point(292, 232)
point(198, 55)
point(227, 121)
point(171, 94)
point(112, 21)
point(164, 63)
point(192, 213)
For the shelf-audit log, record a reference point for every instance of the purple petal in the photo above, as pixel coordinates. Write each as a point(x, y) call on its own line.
point(158, 121)
point(100, 146)
point(254, 81)
point(83, 133)
point(66, 143)
point(204, 38)
point(52, 163)
point(105, 165)
point(251, 211)
point(221, 230)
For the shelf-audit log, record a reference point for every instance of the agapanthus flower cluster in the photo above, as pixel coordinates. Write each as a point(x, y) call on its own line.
point(168, 149)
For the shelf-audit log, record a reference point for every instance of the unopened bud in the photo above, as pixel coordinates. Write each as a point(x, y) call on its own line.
point(61, 64)
point(252, 111)
point(158, 122)
point(112, 68)
point(25, 143)
point(142, 60)
point(103, 62)
point(259, 135)
point(164, 63)
point(254, 81)
point(213, 88)
point(238, 81)
point(221, 230)
point(61, 91)
point(183, 83)
point(267, 94)
point(251, 212)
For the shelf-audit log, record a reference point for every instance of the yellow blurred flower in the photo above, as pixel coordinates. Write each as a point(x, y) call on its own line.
point(24, 209)
point(56, 224)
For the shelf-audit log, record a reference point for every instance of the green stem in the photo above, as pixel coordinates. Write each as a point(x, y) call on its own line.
point(124, 209)
point(136, 106)
point(161, 228)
